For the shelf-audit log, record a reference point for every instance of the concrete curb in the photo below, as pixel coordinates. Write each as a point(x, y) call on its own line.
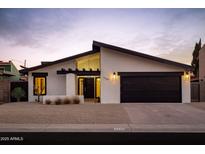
point(101, 128)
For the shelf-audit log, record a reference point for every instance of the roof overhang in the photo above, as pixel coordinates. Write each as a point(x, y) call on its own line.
point(96, 48)
point(139, 54)
point(79, 72)
point(26, 70)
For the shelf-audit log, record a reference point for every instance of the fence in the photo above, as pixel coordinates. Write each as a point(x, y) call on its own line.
point(195, 91)
point(23, 85)
point(6, 88)
point(4, 91)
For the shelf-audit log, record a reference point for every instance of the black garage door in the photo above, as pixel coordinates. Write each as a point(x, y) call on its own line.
point(151, 88)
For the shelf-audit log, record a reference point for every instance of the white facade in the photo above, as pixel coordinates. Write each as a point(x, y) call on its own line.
point(56, 84)
point(110, 61)
point(202, 73)
point(113, 61)
point(70, 84)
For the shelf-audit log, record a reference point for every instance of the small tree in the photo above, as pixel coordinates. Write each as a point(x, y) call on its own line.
point(39, 92)
point(195, 59)
point(18, 93)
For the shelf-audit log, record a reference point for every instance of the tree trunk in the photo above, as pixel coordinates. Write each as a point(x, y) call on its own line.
point(38, 98)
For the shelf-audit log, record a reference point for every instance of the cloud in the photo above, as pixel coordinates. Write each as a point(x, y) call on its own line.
point(172, 33)
point(33, 27)
point(64, 32)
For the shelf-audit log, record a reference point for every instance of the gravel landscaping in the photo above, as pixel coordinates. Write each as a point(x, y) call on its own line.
point(21, 113)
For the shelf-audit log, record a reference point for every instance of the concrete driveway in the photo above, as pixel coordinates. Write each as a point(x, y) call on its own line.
point(138, 117)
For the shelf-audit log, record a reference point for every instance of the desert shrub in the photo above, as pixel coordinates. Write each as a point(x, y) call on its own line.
point(67, 101)
point(76, 100)
point(48, 101)
point(58, 101)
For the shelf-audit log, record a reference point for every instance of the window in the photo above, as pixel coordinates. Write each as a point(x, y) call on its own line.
point(97, 87)
point(1, 69)
point(40, 85)
point(89, 62)
point(80, 88)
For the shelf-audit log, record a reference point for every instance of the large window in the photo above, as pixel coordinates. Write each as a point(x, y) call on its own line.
point(39, 84)
point(89, 62)
point(97, 81)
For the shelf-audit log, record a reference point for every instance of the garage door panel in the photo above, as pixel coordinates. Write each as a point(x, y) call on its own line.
point(151, 82)
point(150, 89)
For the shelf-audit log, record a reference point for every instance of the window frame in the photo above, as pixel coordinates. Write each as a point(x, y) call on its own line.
point(39, 75)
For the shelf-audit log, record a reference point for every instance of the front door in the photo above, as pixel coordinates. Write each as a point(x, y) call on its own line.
point(88, 88)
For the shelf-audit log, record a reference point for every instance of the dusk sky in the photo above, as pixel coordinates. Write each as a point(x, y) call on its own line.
point(50, 34)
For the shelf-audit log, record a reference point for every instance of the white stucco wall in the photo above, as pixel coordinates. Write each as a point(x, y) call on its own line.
point(70, 84)
point(113, 61)
point(186, 90)
point(202, 63)
point(202, 73)
point(56, 84)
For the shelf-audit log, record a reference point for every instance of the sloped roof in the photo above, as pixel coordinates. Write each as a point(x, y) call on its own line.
point(96, 48)
point(5, 63)
point(139, 54)
point(26, 70)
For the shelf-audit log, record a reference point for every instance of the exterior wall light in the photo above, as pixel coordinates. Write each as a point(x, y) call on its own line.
point(186, 76)
point(114, 76)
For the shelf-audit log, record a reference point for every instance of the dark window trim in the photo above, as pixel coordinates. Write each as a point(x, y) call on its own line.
point(34, 85)
point(150, 73)
point(40, 74)
point(87, 73)
point(79, 73)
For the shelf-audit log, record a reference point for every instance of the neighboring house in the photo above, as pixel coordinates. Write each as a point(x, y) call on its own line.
point(8, 71)
point(112, 75)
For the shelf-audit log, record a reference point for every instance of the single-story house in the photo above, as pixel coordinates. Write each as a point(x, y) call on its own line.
point(112, 74)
